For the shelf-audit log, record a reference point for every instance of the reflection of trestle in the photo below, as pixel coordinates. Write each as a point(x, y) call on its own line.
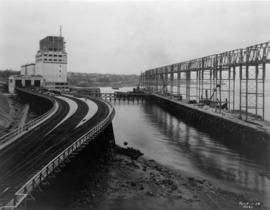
point(233, 80)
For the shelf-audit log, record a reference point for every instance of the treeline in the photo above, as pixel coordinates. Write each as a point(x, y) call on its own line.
point(87, 79)
point(4, 74)
point(95, 79)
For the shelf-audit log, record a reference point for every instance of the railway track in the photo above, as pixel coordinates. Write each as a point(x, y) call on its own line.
point(22, 159)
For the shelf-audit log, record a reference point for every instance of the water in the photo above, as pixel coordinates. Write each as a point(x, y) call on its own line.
point(167, 139)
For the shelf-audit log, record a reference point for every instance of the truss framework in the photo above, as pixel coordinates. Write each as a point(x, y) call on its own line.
point(234, 78)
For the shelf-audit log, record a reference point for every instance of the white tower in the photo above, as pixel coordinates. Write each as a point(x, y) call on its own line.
point(51, 61)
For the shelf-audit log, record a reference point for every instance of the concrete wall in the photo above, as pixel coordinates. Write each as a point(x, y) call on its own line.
point(52, 72)
point(38, 103)
point(23, 80)
point(235, 133)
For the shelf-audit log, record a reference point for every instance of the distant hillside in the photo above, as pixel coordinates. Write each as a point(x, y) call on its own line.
point(86, 79)
point(94, 79)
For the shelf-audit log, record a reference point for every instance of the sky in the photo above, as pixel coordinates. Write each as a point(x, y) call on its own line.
point(128, 37)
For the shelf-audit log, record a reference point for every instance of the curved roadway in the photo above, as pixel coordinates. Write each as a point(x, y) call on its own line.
point(20, 160)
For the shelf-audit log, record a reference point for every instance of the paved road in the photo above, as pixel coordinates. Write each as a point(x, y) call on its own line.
point(21, 160)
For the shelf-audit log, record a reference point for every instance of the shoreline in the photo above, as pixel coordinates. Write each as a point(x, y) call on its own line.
point(129, 181)
point(126, 180)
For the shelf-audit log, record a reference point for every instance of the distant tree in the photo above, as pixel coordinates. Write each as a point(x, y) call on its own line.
point(4, 74)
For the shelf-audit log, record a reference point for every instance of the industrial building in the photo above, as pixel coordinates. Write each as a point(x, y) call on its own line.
point(28, 69)
point(24, 81)
point(51, 62)
point(49, 70)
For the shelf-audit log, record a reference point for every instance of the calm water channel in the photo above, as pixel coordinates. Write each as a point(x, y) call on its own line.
point(167, 139)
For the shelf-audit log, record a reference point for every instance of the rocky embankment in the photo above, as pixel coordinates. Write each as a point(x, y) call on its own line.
point(129, 181)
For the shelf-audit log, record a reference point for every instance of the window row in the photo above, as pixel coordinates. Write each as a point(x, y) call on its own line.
point(53, 59)
point(50, 55)
point(40, 59)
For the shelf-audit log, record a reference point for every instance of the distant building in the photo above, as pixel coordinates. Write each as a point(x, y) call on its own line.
point(51, 62)
point(24, 81)
point(28, 69)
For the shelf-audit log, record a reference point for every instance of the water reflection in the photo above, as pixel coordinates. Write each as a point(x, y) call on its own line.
point(164, 137)
point(208, 154)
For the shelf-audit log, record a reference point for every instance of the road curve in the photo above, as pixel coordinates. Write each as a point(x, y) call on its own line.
point(19, 161)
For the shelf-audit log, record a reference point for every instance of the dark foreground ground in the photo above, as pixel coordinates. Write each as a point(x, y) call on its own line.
point(123, 182)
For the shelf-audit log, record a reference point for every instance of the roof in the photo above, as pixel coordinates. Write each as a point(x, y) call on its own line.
point(25, 77)
point(28, 64)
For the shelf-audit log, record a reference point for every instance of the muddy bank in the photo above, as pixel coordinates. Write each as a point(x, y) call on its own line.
point(127, 180)
point(127, 183)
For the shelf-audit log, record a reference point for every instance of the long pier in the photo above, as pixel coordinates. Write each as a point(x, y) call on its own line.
point(225, 90)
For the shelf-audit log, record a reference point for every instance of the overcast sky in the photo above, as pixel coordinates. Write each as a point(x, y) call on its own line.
point(129, 37)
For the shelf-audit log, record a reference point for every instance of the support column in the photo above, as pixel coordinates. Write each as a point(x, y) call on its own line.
point(247, 78)
point(256, 89)
point(229, 97)
point(187, 85)
point(240, 93)
point(156, 78)
point(198, 90)
point(171, 78)
point(263, 77)
point(234, 74)
point(166, 82)
point(178, 82)
point(220, 84)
